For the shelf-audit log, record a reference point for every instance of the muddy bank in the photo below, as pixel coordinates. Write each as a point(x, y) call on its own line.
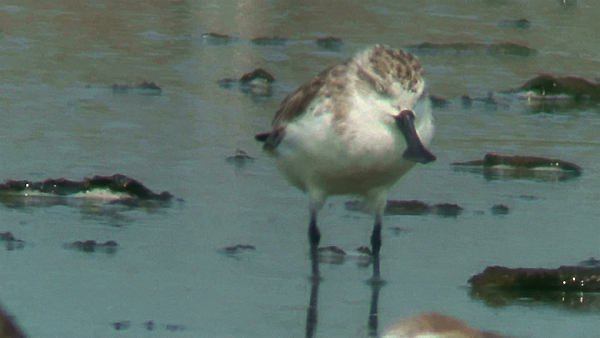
point(121, 185)
point(495, 166)
point(543, 93)
point(572, 287)
point(550, 87)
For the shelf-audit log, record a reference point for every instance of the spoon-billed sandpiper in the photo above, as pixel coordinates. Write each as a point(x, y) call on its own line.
point(354, 129)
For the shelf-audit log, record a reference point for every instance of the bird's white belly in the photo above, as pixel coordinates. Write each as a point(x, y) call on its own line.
point(339, 158)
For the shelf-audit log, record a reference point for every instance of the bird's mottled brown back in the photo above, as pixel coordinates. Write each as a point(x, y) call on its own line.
point(295, 103)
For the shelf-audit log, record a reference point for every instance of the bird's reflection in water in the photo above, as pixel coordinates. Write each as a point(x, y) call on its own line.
point(312, 315)
point(311, 312)
point(373, 318)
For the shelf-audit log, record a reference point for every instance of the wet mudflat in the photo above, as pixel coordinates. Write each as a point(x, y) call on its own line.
point(74, 105)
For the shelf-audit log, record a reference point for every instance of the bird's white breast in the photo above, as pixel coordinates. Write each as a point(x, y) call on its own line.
point(348, 152)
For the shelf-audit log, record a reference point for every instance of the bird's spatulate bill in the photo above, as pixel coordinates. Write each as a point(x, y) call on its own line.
point(415, 150)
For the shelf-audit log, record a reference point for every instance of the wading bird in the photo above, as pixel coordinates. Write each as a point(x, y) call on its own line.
point(354, 129)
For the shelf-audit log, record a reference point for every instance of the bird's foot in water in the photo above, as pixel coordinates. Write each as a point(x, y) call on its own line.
point(376, 281)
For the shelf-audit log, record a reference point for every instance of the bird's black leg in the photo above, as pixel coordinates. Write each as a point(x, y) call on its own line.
point(376, 247)
point(314, 236)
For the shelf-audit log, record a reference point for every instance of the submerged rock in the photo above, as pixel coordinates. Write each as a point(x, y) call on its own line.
point(521, 166)
point(10, 241)
point(109, 247)
point(548, 87)
point(568, 286)
point(256, 83)
point(432, 324)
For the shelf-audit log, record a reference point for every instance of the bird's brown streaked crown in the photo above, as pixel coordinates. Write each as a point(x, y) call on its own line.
point(384, 66)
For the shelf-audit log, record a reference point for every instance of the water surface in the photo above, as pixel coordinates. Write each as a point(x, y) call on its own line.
point(60, 118)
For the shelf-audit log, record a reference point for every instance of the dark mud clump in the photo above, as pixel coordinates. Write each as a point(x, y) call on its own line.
point(550, 87)
point(331, 255)
point(430, 48)
point(489, 101)
point(256, 83)
point(421, 208)
point(10, 241)
point(109, 247)
point(512, 49)
point(144, 88)
point(447, 209)
point(237, 249)
point(240, 159)
point(216, 39)
point(149, 325)
point(568, 286)
point(330, 43)
point(438, 101)
point(269, 41)
point(411, 208)
point(521, 166)
point(365, 250)
point(122, 325)
point(499, 209)
point(521, 23)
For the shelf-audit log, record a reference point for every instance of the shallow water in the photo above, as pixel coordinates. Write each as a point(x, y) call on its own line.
point(62, 119)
